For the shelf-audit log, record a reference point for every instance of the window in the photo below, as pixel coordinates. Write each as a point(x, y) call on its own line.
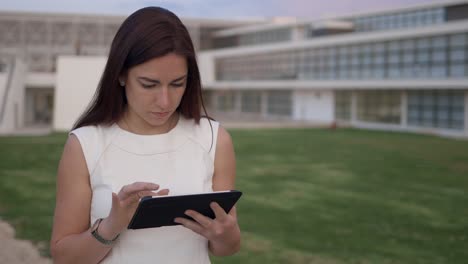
point(437, 109)
point(251, 102)
point(343, 105)
point(379, 106)
point(226, 101)
point(279, 103)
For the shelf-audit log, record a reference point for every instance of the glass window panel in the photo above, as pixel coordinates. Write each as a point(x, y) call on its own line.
point(225, 102)
point(423, 56)
point(354, 73)
point(422, 70)
point(379, 59)
point(343, 61)
point(423, 43)
point(379, 72)
point(458, 99)
point(379, 106)
point(408, 71)
point(438, 55)
point(342, 74)
point(458, 54)
point(279, 103)
point(354, 49)
point(408, 44)
point(343, 105)
point(457, 70)
point(355, 59)
point(343, 50)
point(394, 46)
point(408, 56)
point(250, 101)
point(367, 59)
point(458, 115)
point(458, 40)
point(332, 60)
point(394, 72)
point(437, 109)
point(438, 71)
point(379, 47)
point(394, 58)
point(366, 73)
point(413, 113)
point(443, 100)
point(439, 42)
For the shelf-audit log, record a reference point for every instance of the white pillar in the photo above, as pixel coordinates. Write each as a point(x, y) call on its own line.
point(237, 101)
point(354, 106)
point(404, 109)
point(466, 113)
point(264, 104)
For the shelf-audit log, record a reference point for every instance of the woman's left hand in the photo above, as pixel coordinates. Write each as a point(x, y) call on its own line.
point(223, 232)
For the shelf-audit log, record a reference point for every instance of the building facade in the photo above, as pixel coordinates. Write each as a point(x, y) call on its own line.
point(31, 43)
point(402, 70)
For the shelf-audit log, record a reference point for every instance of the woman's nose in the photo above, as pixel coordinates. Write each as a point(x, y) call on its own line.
point(163, 99)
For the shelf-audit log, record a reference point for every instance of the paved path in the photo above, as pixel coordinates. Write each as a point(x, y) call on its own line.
point(13, 251)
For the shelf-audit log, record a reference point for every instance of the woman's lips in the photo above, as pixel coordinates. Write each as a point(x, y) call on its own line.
point(160, 114)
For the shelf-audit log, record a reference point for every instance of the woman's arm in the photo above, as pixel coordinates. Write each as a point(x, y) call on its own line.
point(223, 232)
point(224, 178)
point(71, 240)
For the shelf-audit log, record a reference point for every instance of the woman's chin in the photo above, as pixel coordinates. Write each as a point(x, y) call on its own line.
point(158, 120)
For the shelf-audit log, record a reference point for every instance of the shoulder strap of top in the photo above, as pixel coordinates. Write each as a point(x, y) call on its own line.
point(205, 134)
point(94, 141)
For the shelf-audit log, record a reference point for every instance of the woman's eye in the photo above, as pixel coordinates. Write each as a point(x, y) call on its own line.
point(147, 85)
point(178, 84)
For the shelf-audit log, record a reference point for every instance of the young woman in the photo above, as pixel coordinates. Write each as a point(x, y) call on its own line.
point(142, 135)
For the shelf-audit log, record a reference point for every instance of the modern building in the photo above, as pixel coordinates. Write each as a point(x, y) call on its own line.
point(402, 70)
point(30, 45)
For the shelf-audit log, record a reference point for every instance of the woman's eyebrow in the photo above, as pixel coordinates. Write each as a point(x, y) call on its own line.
point(157, 81)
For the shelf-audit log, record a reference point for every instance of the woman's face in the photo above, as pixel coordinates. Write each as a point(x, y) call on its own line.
point(154, 90)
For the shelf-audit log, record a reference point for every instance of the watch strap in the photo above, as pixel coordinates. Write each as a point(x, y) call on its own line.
point(98, 237)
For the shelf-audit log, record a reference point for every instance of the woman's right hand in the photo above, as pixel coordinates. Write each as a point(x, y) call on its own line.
point(124, 205)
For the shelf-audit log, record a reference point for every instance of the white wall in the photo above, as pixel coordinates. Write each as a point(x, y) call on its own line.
point(206, 66)
point(76, 81)
point(466, 113)
point(3, 83)
point(4, 123)
point(314, 106)
point(13, 117)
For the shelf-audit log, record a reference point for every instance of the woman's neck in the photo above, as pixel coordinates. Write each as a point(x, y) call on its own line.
point(144, 128)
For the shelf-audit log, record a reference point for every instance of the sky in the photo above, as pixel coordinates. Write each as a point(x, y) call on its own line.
point(227, 9)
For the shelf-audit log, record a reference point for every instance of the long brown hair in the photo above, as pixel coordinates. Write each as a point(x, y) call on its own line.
point(148, 33)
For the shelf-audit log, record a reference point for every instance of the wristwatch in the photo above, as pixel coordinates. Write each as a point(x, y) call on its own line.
point(94, 232)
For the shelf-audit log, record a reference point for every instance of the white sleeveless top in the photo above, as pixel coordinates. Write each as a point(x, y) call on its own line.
point(181, 160)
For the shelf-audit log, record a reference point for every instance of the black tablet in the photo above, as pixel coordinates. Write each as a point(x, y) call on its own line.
point(162, 210)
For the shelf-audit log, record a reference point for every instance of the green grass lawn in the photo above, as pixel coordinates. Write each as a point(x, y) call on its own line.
point(310, 195)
